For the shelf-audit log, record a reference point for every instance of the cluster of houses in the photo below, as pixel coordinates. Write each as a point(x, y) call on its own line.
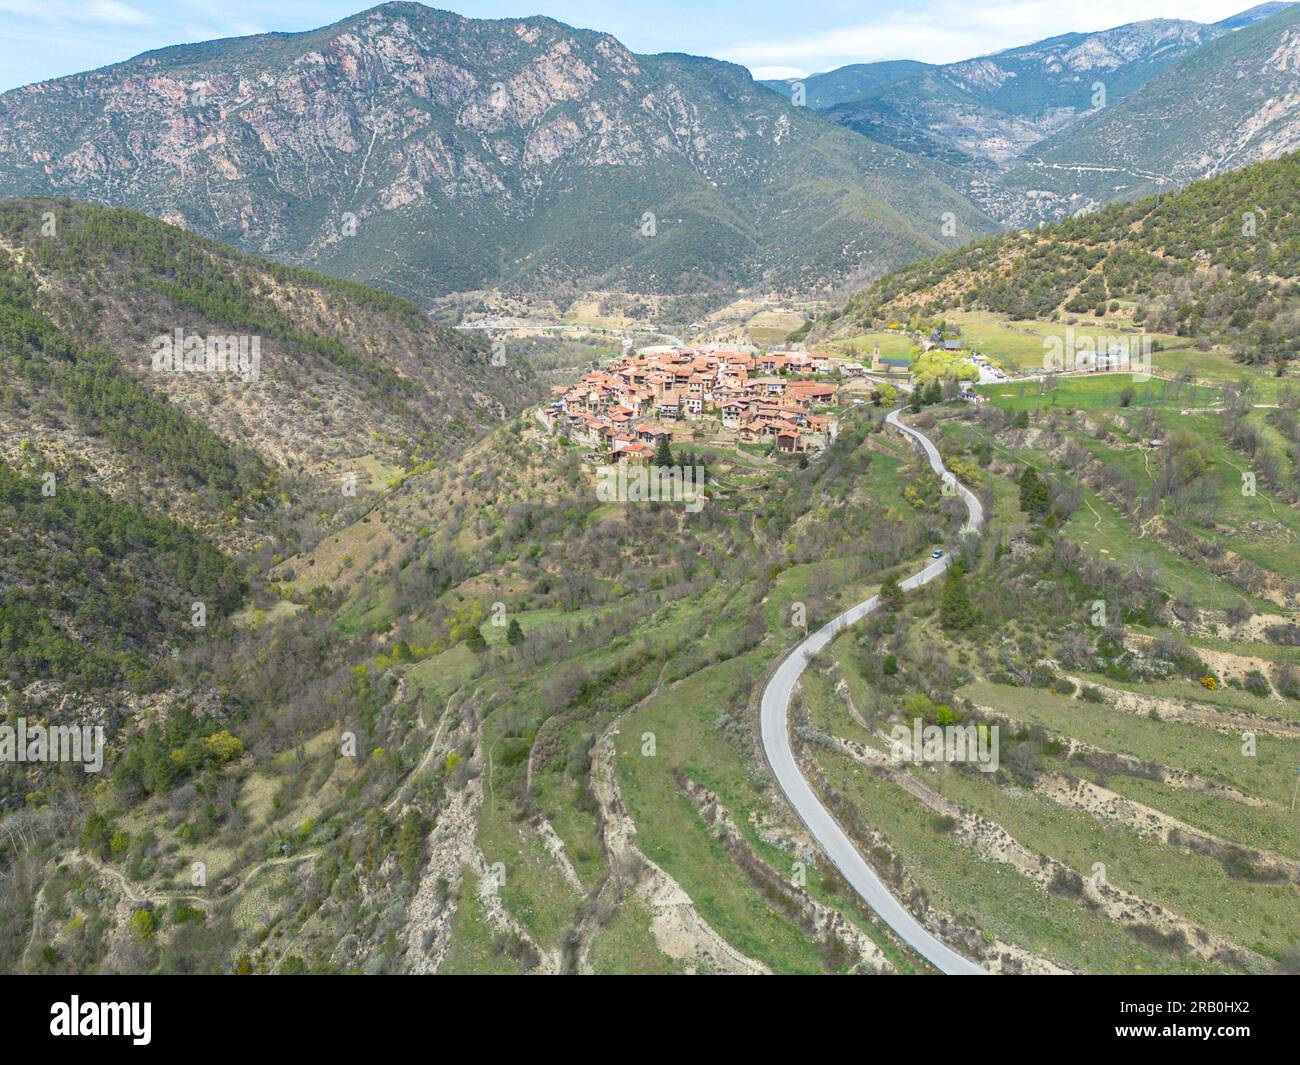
point(755, 397)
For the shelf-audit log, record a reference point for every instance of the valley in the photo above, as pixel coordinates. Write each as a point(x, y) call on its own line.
point(516, 505)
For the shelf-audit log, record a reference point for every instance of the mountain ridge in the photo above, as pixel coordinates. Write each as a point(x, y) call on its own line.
point(1246, 108)
point(463, 153)
point(1032, 122)
point(333, 378)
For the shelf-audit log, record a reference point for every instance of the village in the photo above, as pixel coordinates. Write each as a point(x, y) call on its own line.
point(786, 401)
point(780, 402)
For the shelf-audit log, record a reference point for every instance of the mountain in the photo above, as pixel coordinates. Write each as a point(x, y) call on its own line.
point(175, 418)
point(1230, 103)
point(1216, 261)
point(334, 378)
point(427, 153)
point(1059, 73)
point(851, 82)
point(1084, 118)
point(1253, 15)
point(992, 108)
point(932, 116)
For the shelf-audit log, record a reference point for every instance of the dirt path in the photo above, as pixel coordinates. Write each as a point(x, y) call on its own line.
point(135, 893)
point(1088, 503)
point(38, 908)
point(429, 753)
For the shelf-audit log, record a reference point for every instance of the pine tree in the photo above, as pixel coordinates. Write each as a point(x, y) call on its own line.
point(1028, 481)
point(1042, 500)
point(1035, 496)
point(663, 452)
point(514, 633)
point(955, 610)
point(891, 592)
point(474, 638)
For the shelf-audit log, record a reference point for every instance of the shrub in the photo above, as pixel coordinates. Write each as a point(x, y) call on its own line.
point(1257, 684)
point(144, 925)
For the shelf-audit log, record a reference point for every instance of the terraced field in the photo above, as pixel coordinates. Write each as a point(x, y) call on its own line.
point(1132, 642)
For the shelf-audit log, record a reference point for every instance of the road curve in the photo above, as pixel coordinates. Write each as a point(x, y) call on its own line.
point(821, 825)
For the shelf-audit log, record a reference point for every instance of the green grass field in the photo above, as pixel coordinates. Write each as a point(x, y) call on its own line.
point(1021, 345)
point(893, 345)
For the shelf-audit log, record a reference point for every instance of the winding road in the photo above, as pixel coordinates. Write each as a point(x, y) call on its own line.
point(819, 822)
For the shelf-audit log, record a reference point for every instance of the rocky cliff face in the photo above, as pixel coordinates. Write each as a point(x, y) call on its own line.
point(1234, 102)
point(432, 153)
point(1079, 120)
point(990, 109)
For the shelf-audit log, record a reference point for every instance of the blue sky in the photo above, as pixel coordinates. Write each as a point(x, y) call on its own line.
point(42, 39)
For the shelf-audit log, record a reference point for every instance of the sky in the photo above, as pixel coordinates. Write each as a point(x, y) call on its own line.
point(41, 39)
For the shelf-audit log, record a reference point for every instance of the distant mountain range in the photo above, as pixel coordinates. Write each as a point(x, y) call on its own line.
point(1051, 112)
point(429, 153)
point(1255, 14)
point(1232, 102)
point(1031, 80)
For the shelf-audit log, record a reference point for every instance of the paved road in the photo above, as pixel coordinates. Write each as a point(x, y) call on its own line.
point(816, 818)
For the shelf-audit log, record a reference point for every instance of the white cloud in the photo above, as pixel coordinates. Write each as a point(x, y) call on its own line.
point(777, 73)
point(952, 30)
point(99, 12)
point(112, 11)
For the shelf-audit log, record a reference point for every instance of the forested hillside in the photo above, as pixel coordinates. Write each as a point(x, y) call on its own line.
point(1217, 262)
point(347, 381)
point(90, 585)
point(142, 499)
